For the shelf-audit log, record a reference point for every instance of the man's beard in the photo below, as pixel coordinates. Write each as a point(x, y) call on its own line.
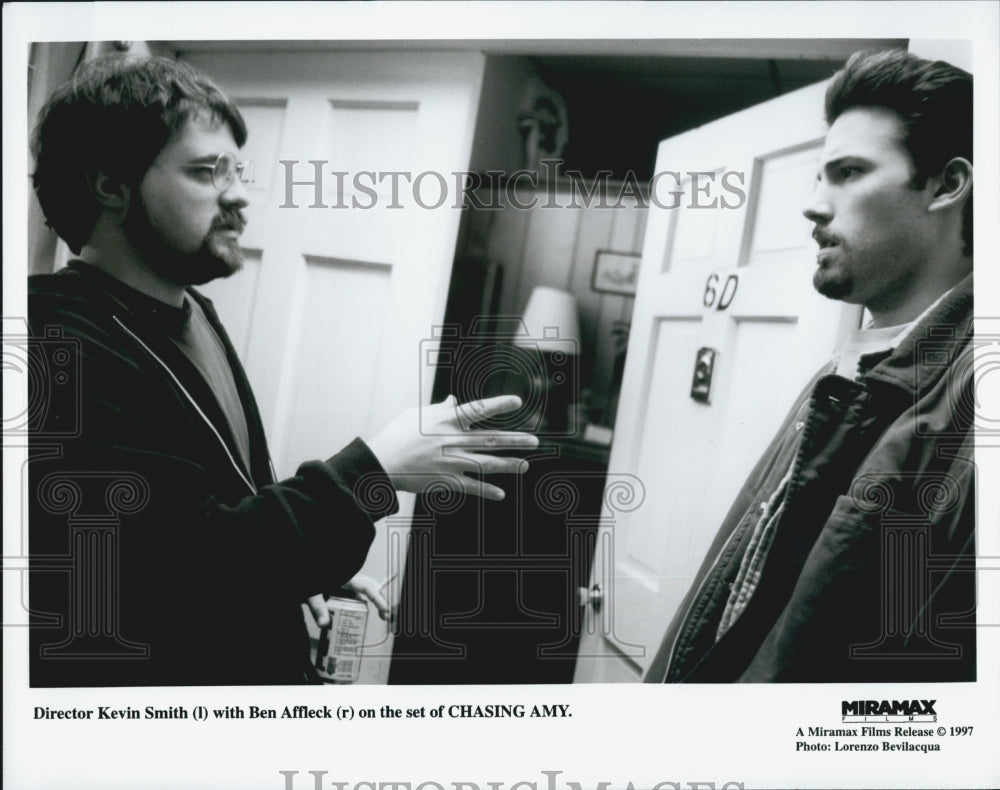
point(218, 256)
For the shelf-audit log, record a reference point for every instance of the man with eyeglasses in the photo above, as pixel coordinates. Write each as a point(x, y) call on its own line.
point(163, 550)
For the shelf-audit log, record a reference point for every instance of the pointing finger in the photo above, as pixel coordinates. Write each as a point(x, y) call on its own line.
point(479, 410)
point(493, 464)
point(484, 490)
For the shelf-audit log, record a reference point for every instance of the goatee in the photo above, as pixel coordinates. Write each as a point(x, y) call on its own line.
point(831, 284)
point(219, 255)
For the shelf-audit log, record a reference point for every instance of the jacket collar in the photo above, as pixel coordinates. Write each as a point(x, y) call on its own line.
point(153, 322)
point(142, 306)
point(931, 347)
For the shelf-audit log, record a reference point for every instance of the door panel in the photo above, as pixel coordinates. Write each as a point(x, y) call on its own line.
point(725, 274)
point(345, 277)
point(332, 300)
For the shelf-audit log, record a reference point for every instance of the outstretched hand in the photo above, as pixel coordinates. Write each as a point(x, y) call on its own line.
point(438, 444)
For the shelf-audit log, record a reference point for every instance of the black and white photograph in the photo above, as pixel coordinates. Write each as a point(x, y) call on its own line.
point(555, 395)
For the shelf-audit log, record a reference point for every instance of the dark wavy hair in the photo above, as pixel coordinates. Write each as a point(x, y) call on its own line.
point(116, 114)
point(932, 98)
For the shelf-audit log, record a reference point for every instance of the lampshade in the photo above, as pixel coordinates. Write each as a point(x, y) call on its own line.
point(551, 321)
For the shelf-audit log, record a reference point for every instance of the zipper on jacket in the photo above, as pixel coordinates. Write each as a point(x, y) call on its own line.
point(194, 403)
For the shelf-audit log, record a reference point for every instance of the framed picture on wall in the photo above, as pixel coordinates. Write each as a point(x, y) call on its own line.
point(616, 272)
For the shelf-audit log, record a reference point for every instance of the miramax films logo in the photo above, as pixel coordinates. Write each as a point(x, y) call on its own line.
point(888, 710)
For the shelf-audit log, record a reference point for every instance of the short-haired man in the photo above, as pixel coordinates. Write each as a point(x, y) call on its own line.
point(163, 550)
point(848, 554)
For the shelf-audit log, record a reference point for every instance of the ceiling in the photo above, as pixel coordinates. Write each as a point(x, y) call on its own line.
point(624, 96)
point(645, 99)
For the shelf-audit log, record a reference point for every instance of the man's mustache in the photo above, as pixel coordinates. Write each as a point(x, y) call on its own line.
point(234, 221)
point(825, 238)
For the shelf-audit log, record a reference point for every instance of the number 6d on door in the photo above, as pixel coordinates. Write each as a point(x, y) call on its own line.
point(720, 300)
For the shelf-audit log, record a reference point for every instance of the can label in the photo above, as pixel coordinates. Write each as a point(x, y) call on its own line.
point(336, 652)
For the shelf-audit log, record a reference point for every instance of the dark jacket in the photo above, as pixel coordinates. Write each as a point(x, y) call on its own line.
point(869, 577)
point(156, 557)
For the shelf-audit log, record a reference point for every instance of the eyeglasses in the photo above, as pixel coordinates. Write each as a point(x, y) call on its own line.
point(226, 168)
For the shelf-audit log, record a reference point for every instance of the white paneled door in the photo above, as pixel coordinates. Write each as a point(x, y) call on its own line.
point(725, 332)
point(347, 265)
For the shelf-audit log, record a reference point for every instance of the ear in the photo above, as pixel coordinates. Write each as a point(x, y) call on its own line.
point(953, 186)
point(110, 192)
